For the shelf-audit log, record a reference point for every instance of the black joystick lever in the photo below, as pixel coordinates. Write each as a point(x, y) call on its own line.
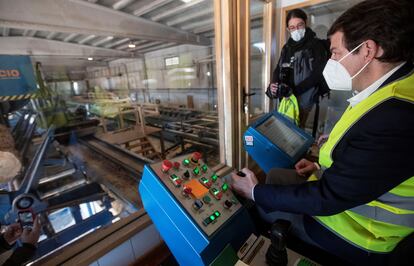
point(240, 173)
point(276, 254)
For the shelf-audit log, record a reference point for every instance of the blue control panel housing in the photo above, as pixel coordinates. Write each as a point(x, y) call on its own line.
point(259, 142)
point(187, 239)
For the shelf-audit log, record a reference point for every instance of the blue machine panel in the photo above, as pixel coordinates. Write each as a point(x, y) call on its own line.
point(181, 221)
point(275, 142)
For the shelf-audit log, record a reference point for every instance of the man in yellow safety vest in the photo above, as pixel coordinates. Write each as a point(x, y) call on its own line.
point(358, 201)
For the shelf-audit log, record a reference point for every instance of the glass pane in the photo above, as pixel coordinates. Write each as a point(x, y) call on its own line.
point(257, 58)
point(320, 18)
point(116, 103)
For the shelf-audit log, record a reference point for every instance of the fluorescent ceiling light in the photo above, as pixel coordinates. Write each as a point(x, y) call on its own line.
point(90, 58)
point(187, 1)
point(131, 45)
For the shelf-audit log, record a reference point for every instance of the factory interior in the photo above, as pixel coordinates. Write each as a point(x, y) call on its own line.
point(108, 96)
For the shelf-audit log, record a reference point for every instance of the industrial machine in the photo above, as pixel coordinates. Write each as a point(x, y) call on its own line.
point(203, 222)
point(198, 216)
point(54, 187)
point(275, 142)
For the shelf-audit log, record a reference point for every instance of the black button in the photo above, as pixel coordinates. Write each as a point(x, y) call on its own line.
point(186, 175)
point(227, 204)
point(197, 204)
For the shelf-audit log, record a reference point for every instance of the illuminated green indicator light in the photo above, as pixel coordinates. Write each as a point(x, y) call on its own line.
point(174, 177)
point(214, 177)
point(215, 191)
point(224, 187)
point(196, 171)
point(186, 162)
point(217, 214)
point(204, 180)
point(204, 168)
point(212, 217)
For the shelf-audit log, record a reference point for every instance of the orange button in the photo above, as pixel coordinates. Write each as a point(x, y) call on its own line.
point(197, 189)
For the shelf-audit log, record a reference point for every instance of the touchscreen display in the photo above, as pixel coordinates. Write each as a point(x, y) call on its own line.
point(284, 137)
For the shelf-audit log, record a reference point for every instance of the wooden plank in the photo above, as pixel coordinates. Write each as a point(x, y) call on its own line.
point(190, 101)
point(142, 150)
point(128, 135)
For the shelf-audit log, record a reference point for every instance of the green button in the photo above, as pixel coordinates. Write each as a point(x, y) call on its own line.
point(186, 162)
point(212, 217)
point(204, 180)
point(224, 187)
point(174, 177)
point(217, 214)
point(196, 171)
point(207, 199)
point(215, 191)
point(204, 168)
point(214, 177)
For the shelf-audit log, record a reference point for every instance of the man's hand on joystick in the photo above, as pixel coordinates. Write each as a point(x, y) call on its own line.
point(240, 173)
point(243, 182)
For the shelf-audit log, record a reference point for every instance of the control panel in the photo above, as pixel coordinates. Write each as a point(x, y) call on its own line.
point(204, 195)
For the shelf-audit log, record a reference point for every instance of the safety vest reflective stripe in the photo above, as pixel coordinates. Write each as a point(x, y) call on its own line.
point(383, 215)
point(399, 202)
point(379, 225)
point(289, 107)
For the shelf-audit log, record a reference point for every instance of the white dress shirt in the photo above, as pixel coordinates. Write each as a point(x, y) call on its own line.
point(359, 97)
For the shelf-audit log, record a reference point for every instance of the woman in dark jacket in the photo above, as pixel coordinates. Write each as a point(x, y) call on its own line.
point(299, 70)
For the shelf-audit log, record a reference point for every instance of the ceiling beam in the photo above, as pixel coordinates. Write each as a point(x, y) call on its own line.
point(150, 7)
point(121, 4)
point(86, 39)
point(203, 29)
point(203, 23)
point(112, 44)
point(75, 16)
point(190, 16)
point(70, 37)
point(44, 47)
point(6, 32)
point(140, 47)
point(176, 10)
point(102, 41)
point(157, 47)
point(29, 33)
point(52, 35)
point(124, 46)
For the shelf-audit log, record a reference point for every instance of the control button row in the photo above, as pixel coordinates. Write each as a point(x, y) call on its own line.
point(211, 218)
point(176, 180)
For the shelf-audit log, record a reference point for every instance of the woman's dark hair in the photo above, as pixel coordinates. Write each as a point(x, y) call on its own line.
point(296, 13)
point(387, 22)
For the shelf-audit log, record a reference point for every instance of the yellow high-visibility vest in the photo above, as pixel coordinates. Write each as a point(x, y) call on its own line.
point(289, 107)
point(381, 224)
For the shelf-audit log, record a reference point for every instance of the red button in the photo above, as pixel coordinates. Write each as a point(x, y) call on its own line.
point(166, 165)
point(196, 156)
point(187, 190)
point(177, 165)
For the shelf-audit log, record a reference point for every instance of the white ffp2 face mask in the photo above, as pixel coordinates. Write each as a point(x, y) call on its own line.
point(336, 75)
point(298, 35)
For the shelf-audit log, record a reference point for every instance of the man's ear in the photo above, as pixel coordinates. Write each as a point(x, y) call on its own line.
point(374, 50)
